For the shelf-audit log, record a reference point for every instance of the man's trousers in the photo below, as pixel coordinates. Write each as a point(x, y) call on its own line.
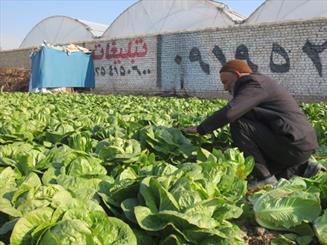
point(273, 154)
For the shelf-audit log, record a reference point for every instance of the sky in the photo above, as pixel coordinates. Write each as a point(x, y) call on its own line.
point(18, 17)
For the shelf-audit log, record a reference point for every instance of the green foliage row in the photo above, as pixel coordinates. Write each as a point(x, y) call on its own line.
point(87, 169)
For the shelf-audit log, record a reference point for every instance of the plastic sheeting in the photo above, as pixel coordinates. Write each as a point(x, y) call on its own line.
point(162, 16)
point(62, 29)
point(285, 10)
point(52, 68)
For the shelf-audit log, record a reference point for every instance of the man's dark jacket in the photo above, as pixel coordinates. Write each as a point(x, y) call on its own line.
point(259, 98)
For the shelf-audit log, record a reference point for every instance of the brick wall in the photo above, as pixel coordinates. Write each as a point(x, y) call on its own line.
point(294, 53)
point(125, 65)
point(17, 58)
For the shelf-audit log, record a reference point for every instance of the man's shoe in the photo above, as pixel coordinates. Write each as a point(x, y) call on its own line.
point(313, 168)
point(257, 184)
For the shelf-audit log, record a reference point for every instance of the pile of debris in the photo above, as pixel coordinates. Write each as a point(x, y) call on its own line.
point(13, 79)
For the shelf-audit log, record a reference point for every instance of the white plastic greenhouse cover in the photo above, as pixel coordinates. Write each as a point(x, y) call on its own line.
point(162, 16)
point(284, 10)
point(62, 29)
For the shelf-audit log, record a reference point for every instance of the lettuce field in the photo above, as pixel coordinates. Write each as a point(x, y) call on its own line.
point(87, 169)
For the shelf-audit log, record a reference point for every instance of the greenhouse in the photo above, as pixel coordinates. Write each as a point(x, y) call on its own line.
point(167, 16)
point(64, 29)
point(286, 10)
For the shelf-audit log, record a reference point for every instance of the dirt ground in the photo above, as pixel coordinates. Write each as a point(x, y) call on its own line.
point(12, 79)
point(258, 235)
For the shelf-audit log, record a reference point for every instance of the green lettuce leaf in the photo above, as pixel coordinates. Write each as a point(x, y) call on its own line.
point(286, 206)
point(22, 232)
point(320, 227)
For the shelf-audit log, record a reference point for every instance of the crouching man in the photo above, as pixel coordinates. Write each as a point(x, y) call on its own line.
point(266, 123)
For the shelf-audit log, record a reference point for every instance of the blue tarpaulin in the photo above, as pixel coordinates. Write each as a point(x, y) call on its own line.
point(52, 68)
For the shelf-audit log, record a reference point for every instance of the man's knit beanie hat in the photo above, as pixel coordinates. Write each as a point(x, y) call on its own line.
point(236, 65)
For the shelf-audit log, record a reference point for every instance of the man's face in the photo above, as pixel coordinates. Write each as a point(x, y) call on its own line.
point(228, 79)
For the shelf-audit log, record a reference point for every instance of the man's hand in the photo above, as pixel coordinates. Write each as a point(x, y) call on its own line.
point(190, 130)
